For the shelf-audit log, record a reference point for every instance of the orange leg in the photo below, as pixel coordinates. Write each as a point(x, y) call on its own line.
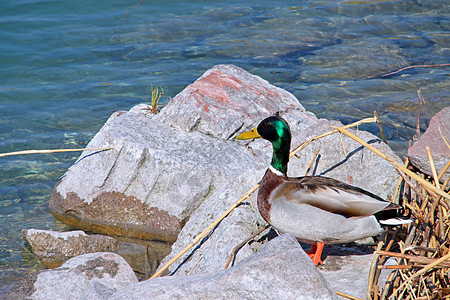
point(316, 253)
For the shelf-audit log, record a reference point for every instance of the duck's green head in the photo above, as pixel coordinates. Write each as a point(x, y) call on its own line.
point(276, 130)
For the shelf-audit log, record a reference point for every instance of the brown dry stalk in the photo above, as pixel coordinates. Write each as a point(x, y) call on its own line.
point(312, 162)
point(425, 183)
point(396, 197)
point(425, 269)
point(236, 249)
point(443, 170)
point(414, 258)
point(373, 269)
point(421, 102)
point(433, 167)
point(343, 146)
point(380, 126)
point(52, 151)
point(304, 144)
point(347, 296)
point(442, 136)
point(396, 267)
point(415, 66)
point(248, 194)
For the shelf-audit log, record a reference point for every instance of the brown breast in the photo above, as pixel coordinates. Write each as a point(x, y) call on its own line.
point(269, 183)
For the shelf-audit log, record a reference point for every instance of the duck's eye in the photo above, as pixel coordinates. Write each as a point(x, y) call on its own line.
point(266, 124)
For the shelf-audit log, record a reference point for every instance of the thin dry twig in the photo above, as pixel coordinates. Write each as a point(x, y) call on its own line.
point(414, 258)
point(312, 162)
point(383, 137)
point(343, 145)
point(347, 296)
point(421, 102)
point(415, 66)
point(373, 270)
point(52, 151)
point(235, 249)
point(443, 137)
point(127, 12)
point(306, 143)
point(205, 232)
point(432, 166)
point(444, 170)
point(389, 159)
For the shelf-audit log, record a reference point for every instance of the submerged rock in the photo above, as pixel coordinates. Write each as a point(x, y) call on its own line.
point(90, 276)
point(280, 270)
point(417, 154)
point(53, 248)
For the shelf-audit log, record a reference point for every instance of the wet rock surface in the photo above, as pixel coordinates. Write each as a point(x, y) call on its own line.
point(53, 248)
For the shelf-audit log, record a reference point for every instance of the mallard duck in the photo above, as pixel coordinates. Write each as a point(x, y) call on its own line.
point(317, 210)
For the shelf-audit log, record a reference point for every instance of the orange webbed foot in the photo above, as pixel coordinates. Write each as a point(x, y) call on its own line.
point(316, 253)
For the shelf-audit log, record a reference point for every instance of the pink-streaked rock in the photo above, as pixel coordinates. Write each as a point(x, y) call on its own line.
point(225, 99)
point(439, 124)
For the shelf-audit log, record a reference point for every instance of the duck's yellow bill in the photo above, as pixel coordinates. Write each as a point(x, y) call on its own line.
point(252, 134)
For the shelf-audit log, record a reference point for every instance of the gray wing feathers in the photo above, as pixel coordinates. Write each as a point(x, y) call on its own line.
point(331, 199)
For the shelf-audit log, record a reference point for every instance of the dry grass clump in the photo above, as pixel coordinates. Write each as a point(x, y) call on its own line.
point(420, 250)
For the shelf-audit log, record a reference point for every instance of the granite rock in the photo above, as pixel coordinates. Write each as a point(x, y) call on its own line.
point(417, 154)
point(225, 99)
point(356, 165)
point(149, 185)
point(89, 276)
point(280, 270)
point(53, 248)
point(347, 269)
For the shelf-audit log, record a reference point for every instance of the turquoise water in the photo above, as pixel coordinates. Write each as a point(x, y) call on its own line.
point(67, 65)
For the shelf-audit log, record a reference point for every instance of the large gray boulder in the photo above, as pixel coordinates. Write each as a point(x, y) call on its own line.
point(90, 276)
point(280, 270)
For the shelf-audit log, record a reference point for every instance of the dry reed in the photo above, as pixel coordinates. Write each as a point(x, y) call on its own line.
point(52, 151)
point(422, 253)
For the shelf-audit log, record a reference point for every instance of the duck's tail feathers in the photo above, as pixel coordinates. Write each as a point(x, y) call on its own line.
point(392, 216)
point(396, 221)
